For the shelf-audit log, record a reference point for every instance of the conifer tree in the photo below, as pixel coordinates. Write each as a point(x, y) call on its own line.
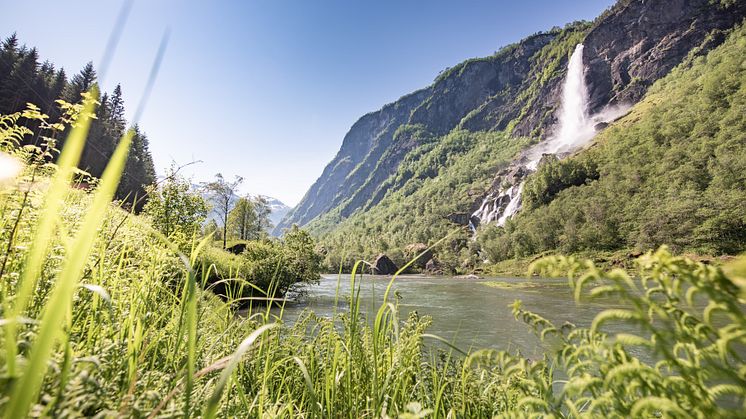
point(18, 88)
point(8, 58)
point(81, 82)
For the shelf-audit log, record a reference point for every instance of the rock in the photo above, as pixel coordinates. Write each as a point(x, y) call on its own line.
point(460, 218)
point(414, 250)
point(383, 265)
point(600, 126)
point(433, 267)
point(469, 276)
point(640, 41)
point(634, 254)
point(237, 249)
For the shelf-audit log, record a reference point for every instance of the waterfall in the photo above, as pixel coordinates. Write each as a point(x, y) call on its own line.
point(513, 205)
point(575, 127)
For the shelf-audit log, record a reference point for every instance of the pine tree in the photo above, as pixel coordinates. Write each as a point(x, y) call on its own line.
point(18, 87)
point(139, 172)
point(100, 145)
point(80, 83)
point(55, 92)
point(116, 106)
point(8, 58)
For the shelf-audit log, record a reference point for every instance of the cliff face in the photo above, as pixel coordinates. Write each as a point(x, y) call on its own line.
point(627, 49)
point(361, 148)
point(639, 42)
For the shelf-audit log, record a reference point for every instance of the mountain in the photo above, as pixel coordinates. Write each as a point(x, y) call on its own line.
point(278, 209)
point(408, 172)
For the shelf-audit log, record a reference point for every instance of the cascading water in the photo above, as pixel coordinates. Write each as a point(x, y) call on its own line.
point(575, 128)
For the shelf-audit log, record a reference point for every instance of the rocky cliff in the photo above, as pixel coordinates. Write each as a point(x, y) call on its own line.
point(517, 90)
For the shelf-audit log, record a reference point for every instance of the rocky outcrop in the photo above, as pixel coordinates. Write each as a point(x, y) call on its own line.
point(433, 267)
point(237, 249)
point(383, 265)
point(640, 41)
point(459, 218)
point(419, 251)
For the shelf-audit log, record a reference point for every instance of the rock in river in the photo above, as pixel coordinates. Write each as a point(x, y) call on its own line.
point(384, 266)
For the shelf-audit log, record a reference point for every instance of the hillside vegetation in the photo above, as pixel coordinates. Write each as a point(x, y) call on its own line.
point(673, 172)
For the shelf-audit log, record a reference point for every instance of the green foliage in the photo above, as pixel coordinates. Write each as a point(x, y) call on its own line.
point(175, 209)
point(222, 193)
point(671, 172)
point(249, 219)
point(699, 368)
point(555, 176)
point(270, 267)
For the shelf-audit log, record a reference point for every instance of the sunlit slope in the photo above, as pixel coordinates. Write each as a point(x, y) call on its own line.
point(673, 171)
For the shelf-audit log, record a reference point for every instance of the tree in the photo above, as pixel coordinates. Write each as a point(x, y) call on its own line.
point(303, 261)
point(81, 82)
point(176, 210)
point(263, 211)
point(242, 220)
point(249, 218)
point(222, 194)
point(9, 55)
point(138, 172)
point(17, 89)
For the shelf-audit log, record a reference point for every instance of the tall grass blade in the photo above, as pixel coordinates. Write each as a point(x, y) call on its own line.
point(45, 225)
point(212, 404)
point(60, 301)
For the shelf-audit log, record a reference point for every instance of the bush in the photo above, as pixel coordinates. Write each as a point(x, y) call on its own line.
point(266, 268)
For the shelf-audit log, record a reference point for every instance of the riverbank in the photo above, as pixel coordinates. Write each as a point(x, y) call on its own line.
point(620, 259)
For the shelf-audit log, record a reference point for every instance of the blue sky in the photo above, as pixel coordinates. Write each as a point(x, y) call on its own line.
point(267, 89)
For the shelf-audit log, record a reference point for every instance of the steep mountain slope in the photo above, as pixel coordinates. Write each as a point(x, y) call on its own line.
point(375, 145)
point(452, 138)
point(671, 172)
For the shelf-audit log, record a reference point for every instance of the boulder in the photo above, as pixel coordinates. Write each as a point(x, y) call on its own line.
point(383, 265)
point(433, 267)
point(415, 249)
point(237, 249)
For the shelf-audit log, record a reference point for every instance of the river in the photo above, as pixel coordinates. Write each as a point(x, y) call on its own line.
point(469, 313)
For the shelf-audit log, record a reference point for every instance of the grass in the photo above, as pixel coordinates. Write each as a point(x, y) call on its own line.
point(101, 315)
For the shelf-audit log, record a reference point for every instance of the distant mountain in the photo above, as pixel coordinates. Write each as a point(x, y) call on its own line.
point(279, 210)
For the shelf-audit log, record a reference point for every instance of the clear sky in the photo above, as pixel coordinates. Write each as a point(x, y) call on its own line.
point(267, 89)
